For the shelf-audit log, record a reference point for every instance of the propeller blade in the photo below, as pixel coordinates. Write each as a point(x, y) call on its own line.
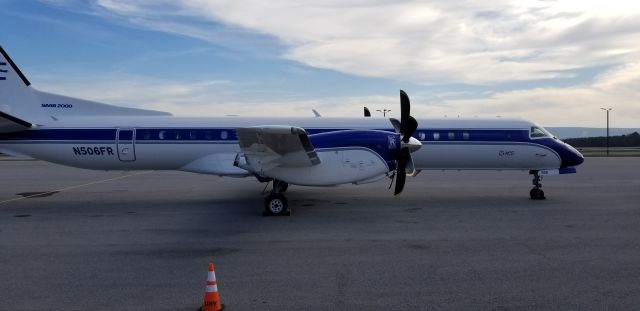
point(401, 174)
point(410, 125)
point(405, 105)
point(367, 113)
point(400, 180)
point(410, 168)
point(396, 124)
point(405, 109)
point(393, 177)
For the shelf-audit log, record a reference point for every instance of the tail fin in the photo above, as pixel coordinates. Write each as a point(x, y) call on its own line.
point(3, 62)
point(20, 101)
point(17, 98)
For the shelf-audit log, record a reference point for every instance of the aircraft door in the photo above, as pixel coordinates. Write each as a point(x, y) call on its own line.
point(126, 145)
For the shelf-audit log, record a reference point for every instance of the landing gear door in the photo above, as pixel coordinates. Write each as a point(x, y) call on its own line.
point(126, 147)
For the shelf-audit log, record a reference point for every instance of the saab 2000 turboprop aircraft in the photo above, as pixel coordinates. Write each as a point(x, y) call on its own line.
point(300, 151)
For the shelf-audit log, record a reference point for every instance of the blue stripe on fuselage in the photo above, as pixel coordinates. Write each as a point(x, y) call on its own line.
point(61, 134)
point(229, 134)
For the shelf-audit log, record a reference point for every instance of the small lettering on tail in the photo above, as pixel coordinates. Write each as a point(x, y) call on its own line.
point(67, 106)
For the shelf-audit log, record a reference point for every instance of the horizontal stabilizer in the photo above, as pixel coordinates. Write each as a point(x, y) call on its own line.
point(10, 124)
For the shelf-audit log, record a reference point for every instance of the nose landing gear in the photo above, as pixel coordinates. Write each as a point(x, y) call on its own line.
point(536, 193)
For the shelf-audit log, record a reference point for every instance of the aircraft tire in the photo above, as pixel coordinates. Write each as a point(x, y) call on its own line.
point(276, 205)
point(537, 194)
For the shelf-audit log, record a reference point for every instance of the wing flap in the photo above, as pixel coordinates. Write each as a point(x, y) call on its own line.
point(266, 147)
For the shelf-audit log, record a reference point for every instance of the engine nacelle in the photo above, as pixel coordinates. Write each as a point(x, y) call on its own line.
point(345, 157)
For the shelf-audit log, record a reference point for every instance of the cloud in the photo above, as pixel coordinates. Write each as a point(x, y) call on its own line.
point(473, 42)
point(424, 42)
point(202, 98)
point(131, 90)
point(575, 106)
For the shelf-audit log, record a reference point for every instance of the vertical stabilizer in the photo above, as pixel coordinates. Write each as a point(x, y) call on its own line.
point(17, 98)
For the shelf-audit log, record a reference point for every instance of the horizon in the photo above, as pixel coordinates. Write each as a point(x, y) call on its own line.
point(556, 63)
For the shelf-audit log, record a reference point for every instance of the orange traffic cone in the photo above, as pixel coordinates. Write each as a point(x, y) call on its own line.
point(211, 296)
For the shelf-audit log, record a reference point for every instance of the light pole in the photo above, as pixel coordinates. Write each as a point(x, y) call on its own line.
point(607, 110)
point(384, 111)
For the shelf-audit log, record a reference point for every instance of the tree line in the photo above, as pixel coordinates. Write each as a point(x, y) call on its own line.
point(630, 140)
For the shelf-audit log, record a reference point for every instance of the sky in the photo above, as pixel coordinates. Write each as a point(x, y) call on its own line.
point(554, 62)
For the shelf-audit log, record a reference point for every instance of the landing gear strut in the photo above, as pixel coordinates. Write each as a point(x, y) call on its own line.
point(280, 186)
point(276, 203)
point(536, 193)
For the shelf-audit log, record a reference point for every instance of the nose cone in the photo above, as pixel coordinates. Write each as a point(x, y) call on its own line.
point(571, 157)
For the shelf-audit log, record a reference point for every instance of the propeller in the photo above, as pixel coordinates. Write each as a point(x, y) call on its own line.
point(405, 127)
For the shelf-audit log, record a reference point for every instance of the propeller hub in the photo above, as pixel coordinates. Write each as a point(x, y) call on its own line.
point(413, 144)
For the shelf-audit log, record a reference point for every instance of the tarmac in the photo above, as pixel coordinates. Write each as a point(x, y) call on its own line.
point(467, 240)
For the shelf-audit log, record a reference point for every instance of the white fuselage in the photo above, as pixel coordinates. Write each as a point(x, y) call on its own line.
point(208, 145)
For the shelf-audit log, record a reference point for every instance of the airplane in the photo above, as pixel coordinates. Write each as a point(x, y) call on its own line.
point(314, 151)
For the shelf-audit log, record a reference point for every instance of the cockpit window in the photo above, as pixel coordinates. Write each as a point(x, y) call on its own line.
point(538, 132)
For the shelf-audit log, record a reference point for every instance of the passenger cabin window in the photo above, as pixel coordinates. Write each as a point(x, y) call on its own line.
point(422, 136)
point(465, 135)
point(146, 135)
point(193, 134)
point(224, 134)
point(436, 136)
point(178, 134)
point(537, 132)
point(452, 136)
point(208, 135)
point(162, 134)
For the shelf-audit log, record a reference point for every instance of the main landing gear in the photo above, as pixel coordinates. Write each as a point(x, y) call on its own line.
point(275, 204)
point(536, 193)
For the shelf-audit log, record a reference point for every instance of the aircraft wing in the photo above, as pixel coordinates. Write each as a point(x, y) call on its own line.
point(266, 147)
